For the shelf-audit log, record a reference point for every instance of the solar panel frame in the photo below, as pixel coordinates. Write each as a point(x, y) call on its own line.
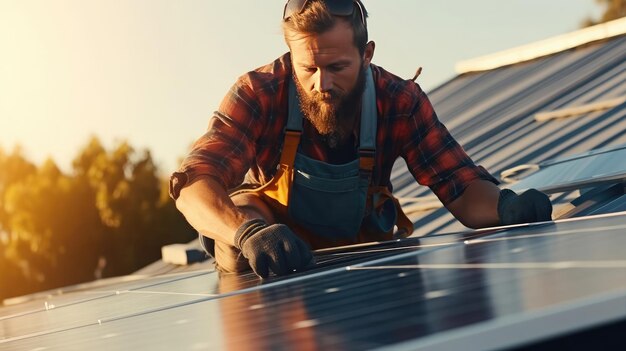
point(591, 169)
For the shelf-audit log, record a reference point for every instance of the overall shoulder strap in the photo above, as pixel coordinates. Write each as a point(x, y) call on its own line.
point(369, 120)
point(293, 130)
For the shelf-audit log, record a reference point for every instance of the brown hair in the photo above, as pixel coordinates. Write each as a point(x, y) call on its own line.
point(317, 19)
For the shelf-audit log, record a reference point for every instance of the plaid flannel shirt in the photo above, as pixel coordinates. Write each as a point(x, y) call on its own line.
point(244, 138)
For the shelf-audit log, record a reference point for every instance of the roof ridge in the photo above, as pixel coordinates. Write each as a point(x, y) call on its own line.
point(543, 47)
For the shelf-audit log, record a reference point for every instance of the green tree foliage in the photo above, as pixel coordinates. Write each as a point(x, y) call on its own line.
point(613, 9)
point(110, 217)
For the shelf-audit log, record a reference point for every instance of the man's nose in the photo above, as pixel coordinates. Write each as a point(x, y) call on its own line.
point(324, 81)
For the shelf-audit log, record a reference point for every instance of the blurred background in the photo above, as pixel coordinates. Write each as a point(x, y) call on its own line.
point(100, 99)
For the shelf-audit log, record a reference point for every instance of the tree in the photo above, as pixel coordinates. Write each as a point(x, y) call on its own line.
point(54, 235)
point(13, 169)
point(110, 217)
point(613, 9)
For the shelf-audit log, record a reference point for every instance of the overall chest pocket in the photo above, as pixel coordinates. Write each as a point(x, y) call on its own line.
point(329, 205)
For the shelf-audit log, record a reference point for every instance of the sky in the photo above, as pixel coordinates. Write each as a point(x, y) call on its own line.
point(153, 71)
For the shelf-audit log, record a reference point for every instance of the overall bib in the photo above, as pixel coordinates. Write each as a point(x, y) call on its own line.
point(326, 204)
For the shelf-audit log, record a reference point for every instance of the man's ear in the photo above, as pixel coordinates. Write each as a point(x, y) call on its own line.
point(369, 53)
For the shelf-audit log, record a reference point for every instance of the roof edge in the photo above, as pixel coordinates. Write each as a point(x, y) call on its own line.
point(543, 47)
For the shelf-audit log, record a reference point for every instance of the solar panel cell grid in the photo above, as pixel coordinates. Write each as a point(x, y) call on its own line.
point(486, 280)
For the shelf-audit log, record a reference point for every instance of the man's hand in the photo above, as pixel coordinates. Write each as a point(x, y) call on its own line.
point(273, 247)
point(530, 206)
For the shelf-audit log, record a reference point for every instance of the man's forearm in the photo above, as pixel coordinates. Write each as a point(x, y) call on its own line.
point(267, 247)
point(208, 208)
point(478, 206)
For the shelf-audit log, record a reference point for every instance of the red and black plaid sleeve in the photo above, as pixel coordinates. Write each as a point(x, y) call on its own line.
point(226, 150)
point(434, 157)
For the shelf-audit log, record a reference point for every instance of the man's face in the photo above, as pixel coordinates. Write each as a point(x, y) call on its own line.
point(329, 74)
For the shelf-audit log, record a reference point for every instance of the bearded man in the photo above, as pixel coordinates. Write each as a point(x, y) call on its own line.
point(300, 152)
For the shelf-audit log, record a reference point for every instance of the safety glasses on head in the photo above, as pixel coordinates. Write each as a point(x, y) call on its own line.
point(336, 7)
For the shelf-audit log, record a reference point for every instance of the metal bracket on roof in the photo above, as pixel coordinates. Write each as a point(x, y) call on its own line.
point(182, 254)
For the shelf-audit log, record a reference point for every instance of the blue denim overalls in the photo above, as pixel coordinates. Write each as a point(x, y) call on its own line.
point(329, 204)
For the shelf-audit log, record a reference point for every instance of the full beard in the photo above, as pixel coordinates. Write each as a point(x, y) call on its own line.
point(330, 112)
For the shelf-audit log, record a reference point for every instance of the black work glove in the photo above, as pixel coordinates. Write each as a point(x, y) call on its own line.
point(274, 247)
point(531, 206)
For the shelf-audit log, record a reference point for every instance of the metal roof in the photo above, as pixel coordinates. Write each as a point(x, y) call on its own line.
point(491, 114)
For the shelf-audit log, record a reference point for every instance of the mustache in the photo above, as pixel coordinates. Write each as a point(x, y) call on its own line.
point(325, 96)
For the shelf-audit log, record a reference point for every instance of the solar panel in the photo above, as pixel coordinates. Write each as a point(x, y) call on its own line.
point(74, 293)
point(488, 289)
point(576, 172)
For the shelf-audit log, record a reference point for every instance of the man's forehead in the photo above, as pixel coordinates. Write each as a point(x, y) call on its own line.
point(320, 60)
point(333, 45)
